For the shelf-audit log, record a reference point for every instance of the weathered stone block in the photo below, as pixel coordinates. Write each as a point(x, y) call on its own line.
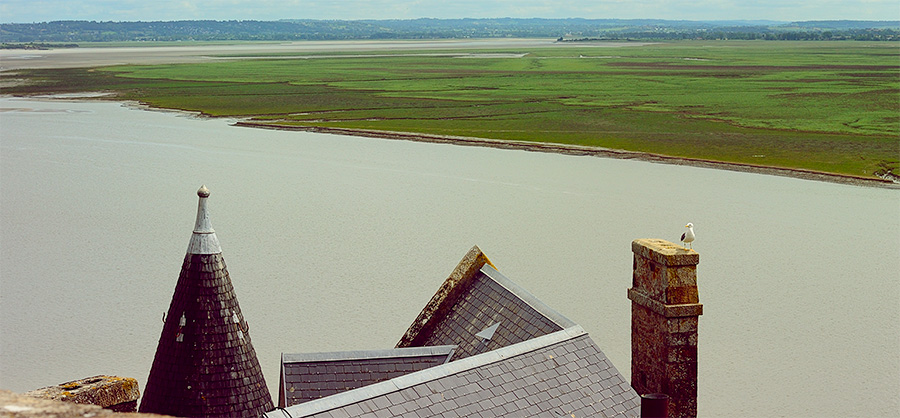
point(681, 354)
point(681, 339)
point(665, 252)
point(116, 393)
point(683, 324)
point(682, 295)
point(677, 276)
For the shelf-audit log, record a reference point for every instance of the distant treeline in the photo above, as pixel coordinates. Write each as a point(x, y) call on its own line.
point(36, 46)
point(565, 29)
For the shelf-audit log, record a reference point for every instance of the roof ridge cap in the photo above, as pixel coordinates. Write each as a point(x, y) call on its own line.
point(388, 353)
point(446, 295)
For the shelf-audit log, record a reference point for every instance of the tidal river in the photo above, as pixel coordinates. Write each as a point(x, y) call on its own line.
point(336, 243)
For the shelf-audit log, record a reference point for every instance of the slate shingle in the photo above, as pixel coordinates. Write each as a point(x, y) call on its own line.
point(306, 377)
point(484, 299)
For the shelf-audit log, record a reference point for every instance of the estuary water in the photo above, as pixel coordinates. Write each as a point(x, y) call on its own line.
point(336, 243)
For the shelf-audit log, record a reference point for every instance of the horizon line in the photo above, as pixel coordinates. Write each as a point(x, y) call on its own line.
point(451, 19)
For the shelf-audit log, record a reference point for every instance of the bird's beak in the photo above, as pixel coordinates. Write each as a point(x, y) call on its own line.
point(685, 226)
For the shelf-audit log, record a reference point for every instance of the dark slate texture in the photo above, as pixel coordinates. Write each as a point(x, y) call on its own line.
point(306, 377)
point(487, 299)
point(561, 374)
point(213, 370)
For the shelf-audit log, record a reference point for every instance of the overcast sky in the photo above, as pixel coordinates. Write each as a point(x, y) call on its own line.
point(26, 11)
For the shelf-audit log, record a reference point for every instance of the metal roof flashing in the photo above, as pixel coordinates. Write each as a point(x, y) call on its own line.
point(440, 350)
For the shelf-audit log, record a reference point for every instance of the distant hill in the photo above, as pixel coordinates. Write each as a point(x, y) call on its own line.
point(847, 24)
point(568, 29)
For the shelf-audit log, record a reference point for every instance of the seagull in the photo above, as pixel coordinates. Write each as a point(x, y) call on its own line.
point(688, 237)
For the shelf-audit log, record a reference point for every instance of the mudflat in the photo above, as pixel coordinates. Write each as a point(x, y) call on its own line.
point(15, 59)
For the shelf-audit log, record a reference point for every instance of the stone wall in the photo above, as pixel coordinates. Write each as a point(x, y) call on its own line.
point(110, 392)
point(14, 405)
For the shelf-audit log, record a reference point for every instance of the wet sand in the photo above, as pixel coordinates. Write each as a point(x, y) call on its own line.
point(15, 59)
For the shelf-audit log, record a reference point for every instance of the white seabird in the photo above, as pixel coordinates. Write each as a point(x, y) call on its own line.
point(688, 237)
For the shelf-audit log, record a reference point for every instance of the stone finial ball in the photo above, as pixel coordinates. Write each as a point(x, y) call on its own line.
point(203, 192)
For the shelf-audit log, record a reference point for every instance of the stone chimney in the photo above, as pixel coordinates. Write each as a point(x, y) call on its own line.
point(665, 308)
point(205, 364)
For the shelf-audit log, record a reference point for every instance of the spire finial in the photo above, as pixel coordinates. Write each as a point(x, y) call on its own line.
point(204, 240)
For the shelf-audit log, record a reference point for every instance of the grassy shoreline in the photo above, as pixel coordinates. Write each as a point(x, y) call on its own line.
point(814, 107)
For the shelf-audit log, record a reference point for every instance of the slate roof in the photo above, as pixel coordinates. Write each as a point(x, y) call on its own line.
point(487, 298)
point(205, 364)
point(515, 357)
point(559, 374)
point(305, 377)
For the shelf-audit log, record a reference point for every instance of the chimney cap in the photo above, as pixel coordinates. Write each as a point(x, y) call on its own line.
point(665, 252)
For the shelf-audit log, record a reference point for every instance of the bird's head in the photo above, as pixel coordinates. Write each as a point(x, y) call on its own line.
point(689, 225)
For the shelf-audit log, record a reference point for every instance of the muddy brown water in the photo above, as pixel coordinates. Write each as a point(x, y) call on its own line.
point(337, 242)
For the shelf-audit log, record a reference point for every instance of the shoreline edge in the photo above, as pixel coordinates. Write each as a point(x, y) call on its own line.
point(579, 150)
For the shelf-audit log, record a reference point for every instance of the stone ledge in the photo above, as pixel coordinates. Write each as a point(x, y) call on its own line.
point(668, 311)
point(110, 392)
point(665, 252)
point(14, 405)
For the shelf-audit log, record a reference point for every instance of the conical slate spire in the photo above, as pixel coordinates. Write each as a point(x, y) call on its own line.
point(205, 364)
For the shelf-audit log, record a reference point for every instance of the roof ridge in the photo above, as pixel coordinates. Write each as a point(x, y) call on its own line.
point(446, 296)
point(401, 352)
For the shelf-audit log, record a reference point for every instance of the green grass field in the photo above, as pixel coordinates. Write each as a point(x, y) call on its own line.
point(826, 106)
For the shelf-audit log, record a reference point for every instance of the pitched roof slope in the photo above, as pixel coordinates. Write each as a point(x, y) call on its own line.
point(479, 309)
point(305, 377)
point(563, 373)
point(515, 357)
point(205, 364)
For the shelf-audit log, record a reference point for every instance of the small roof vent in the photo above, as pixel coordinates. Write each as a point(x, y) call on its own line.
point(488, 333)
